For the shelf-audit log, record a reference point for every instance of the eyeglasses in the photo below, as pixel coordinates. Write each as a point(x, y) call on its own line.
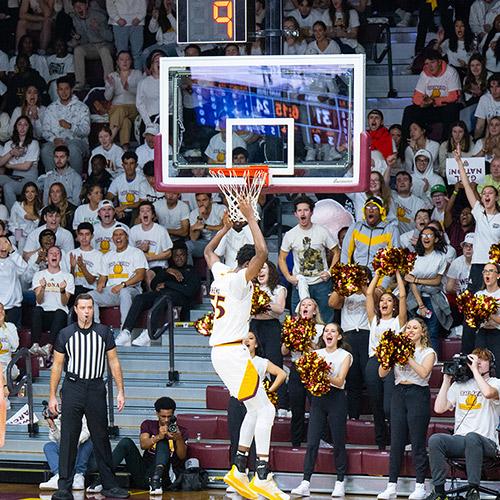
point(427, 236)
point(490, 271)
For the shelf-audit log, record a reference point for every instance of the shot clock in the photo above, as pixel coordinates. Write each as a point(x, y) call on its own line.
point(211, 21)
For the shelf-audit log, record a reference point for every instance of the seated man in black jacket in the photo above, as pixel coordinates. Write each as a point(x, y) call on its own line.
point(179, 281)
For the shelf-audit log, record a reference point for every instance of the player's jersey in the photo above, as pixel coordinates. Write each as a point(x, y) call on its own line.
point(231, 298)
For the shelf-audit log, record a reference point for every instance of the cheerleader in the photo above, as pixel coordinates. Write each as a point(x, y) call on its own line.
point(308, 309)
point(329, 409)
point(410, 410)
point(388, 314)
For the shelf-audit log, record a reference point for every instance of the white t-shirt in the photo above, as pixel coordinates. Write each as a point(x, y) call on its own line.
point(459, 270)
point(120, 266)
point(214, 219)
point(406, 208)
point(84, 213)
point(439, 86)
point(157, 237)
point(405, 373)
point(487, 107)
point(231, 242)
point(128, 192)
point(377, 328)
point(216, 149)
point(496, 295)
point(278, 291)
point(64, 239)
point(473, 412)
point(331, 48)
point(353, 313)
point(60, 66)
point(32, 154)
point(353, 23)
point(144, 154)
point(487, 233)
point(171, 217)
point(429, 265)
point(9, 342)
point(17, 220)
point(113, 157)
point(335, 359)
point(309, 248)
point(92, 260)
point(103, 238)
point(261, 365)
point(455, 57)
point(308, 21)
point(52, 295)
point(11, 270)
point(232, 300)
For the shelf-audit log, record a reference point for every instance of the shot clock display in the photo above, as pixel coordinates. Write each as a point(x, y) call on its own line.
point(211, 21)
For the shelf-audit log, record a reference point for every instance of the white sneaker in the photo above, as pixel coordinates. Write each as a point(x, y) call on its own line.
point(419, 493)
point(339, 490)
point(281, 413)
point(302, 489)
point(230, 489)
point(142, 340)
point(267, 488)
point(35, 349)
point(124, 339)
point(51, 484)
point(95, 487)
point(389, 493)
point(78, 482)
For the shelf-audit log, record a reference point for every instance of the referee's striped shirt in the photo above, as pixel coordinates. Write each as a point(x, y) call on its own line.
point(85, 349)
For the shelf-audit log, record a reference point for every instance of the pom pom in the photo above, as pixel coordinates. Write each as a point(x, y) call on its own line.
point(348, 278)
point(205, 324)
point(390, 260)
point(272, 396)
point(495, 253)
point(314, 373)
point(297, 333)
point(394, 349)
point(476, 308)
point(260, 301)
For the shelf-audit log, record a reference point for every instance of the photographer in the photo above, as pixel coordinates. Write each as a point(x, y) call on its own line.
point(476, 403)
point(51, 450)
point(164, 445)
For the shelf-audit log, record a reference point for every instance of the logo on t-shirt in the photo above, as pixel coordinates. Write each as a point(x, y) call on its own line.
point(471, 402)
point(310, 259)
point(104, 246)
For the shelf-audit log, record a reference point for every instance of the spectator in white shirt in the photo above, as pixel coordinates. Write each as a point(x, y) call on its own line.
point(53, 289)
point(25, 214)
point(488, 106)
point(321, 43)
point(173, 214)
point(65, 174)
point(149, 191)
point(306, 16)
point(38, 261)
point(88, 212)
point(123, 270)
point(146, 152)
point(127, 188)
point(26, 47)
point(232, 241)
point(293, 43)
point(121, 90)
point(111, 151)
point(66, 122)
point(127, 20)
point(20, 155)
point(103, 231)
point(60, 64)
point(148, 91)
point(163, 24)
point(32, 108)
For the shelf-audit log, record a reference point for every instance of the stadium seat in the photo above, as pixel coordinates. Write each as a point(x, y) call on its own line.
point(449, 347)
point(375, 462)
point(211, 456)
point(217, 397)
point(286, 459)
point(111, 316)
point(222, 427)
point(360, 432)
point(436, 377)
point(205, 425)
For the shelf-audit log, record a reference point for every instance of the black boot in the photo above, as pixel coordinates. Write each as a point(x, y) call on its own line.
point(155, 486)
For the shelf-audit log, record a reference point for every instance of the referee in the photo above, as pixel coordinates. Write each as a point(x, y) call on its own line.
point(81, 349)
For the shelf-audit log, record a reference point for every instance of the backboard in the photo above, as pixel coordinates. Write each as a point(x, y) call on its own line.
point(302, 116)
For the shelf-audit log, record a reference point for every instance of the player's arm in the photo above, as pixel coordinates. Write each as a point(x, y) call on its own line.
point(260, 257)
point(210, 256)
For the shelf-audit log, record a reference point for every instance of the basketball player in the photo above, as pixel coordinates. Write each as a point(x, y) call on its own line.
point(231, 294)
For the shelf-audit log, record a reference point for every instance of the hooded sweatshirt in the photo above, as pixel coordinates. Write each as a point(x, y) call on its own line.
point(419, 178)
point(444, 88)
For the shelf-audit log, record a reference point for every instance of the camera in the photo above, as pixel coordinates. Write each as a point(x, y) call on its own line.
point(46, 413)
point(458, 368)
point(172, 425)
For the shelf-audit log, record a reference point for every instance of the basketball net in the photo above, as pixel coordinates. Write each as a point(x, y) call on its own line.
point(241, 183)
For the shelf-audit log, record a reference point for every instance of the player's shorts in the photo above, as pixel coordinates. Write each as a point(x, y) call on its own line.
point(233, 364)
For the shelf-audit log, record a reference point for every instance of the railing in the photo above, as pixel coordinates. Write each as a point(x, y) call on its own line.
point(27, 381)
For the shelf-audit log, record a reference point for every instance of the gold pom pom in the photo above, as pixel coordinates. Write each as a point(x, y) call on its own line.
point(494, 253)
point(314, 373)
point(260, 301)
point(392, 259)
point(394, 349)
point(348, 278)
point(297, 333)
point(272, 396)
point(205, 324)
point(476, 309)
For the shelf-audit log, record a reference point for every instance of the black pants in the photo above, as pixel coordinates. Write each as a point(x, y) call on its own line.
point(236, 412)
point(426, 21)
point(297, 394)
point(475, 284)
point(54, 321)
point(490, 339)
point(145, 301)
point(358, 340)
point(84, 397)
point(13, 315)
point(268, 332)
point(140, 468)
point(446, 115)
point(410, 415)
point(379, 393)
point(329, 409)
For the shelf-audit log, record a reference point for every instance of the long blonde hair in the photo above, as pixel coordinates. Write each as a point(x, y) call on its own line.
point(424, 340)
point(317, 315)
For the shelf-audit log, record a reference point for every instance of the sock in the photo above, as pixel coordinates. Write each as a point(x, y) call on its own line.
point(240, 460)
point(262, 469)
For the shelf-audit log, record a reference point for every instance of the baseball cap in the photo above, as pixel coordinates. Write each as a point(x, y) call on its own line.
point(438, 188)
point(152, 129)
point(469, 238)
point(122, 227)
point(105, 203)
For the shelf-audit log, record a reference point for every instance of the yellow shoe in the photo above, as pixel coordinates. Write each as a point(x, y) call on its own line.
point(239, 481)
point(268, 488)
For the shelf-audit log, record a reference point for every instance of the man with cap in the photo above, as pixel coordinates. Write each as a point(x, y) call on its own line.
point(103, 231)
point(364, 238)
point(439, 198)
point(146, 152)
point(122, 271)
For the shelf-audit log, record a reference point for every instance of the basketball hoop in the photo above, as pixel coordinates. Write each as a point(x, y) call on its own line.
point(241, 182)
